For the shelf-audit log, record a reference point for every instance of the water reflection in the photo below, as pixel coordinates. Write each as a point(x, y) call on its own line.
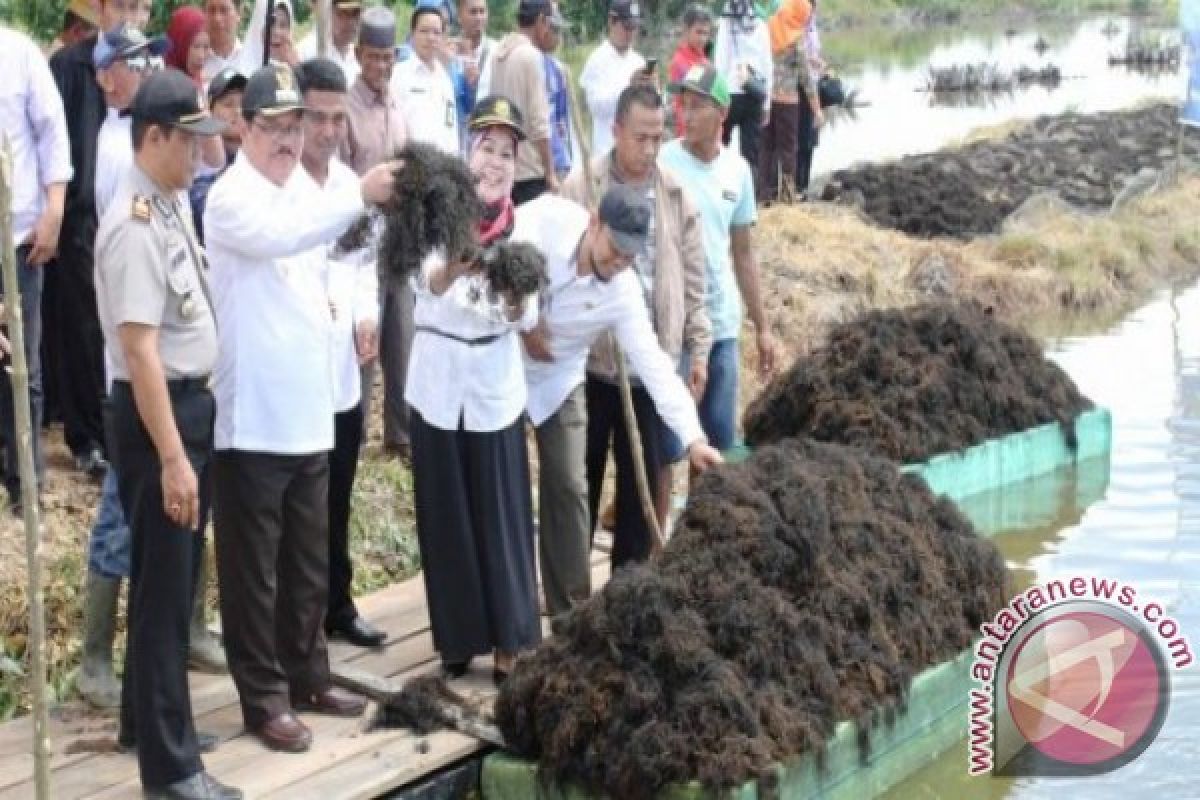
point(1145, 531)
point(889, 68)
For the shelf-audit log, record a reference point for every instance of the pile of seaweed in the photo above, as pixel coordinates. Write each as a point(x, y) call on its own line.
point(1087, 159)
point(911, 383)
point(433, 205)
point(805, 586)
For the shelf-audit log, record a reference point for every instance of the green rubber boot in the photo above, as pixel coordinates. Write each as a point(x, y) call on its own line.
point(97, 682)
point(205, 653)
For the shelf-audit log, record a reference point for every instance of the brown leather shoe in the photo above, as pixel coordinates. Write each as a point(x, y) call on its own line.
point(285, 733)
point(332, 701)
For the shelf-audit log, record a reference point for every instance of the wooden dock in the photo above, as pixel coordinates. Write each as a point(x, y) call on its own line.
point(345, 762)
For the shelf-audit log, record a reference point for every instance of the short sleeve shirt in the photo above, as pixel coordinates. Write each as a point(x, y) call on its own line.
point(150, 271)
point(723, 191)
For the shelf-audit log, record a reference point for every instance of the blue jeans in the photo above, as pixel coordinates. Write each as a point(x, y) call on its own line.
point(718, 407)
point(29, 284)
point(109, 544)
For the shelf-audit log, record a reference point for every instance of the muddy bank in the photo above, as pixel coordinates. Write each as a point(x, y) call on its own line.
point(1087, 160)
point(910, 384)
point(803, 587)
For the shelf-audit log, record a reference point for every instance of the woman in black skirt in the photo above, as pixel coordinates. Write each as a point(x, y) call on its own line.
point(466, 390)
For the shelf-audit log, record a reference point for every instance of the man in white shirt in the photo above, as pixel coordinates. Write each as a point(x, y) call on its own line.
point(474, 49)
point(31, 114)
point(742, 53)
point(343, 34)
point(266, 235)
point(590, 292)
point(422, 87)
point(609, 69)
point(223, 18)
point(353, 287)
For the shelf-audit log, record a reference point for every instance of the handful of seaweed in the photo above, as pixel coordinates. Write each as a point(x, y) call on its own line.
point(516, 267)
point(911, 383)
point(805, 586)
point(433, 205)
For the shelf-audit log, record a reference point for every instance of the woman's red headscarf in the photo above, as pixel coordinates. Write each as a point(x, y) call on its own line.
point(185, 23)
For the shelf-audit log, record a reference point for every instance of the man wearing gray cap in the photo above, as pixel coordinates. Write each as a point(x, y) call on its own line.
point(590, 291)
point(266, 236)
point(153, 301)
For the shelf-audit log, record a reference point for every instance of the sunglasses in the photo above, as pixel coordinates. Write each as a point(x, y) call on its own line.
point(140, 64)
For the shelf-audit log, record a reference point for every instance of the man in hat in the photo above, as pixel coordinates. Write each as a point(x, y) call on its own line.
point(590, 291)
point(610, 68)
point(518, 73)
point(79, 22)
point(266, 237)
point(721, 186)
point(343, 34)
point(158, 324)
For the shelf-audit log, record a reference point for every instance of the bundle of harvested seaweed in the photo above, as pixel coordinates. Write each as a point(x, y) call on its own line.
point(803, 587)
point(911, 383)
point(516, 267)
point(433, 205)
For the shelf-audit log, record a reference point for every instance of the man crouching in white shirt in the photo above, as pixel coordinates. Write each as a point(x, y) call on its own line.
point(266, 233)
point(590, 291)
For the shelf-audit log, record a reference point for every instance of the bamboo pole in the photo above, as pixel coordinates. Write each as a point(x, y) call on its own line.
point(649, 511)
point(322, 10)
point(29, 504)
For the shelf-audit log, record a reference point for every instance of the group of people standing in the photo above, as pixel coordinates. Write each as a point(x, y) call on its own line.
point(239, 335)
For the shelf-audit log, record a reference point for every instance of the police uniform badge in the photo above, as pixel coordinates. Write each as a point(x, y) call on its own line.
point(141, 209)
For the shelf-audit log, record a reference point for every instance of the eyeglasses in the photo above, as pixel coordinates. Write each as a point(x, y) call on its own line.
point(278, 132)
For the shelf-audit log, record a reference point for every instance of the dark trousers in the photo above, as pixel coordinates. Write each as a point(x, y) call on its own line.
point(778, 157)
point(605, 427)
point(343, 464)
point(475, 529)
point(156, 709)
point(81, 380)
point(29, 284)
point(807, 138)
point(272, 534)
point(526, 190)
point(395, 345)
point(745, 114)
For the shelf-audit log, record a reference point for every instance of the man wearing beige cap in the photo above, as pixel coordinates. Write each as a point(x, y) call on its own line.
point(79, 22)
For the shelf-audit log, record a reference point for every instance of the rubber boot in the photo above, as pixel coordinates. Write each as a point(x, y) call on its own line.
point(97, 683)
point(204, 651)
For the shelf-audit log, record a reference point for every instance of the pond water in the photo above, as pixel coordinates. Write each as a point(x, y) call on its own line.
point(889, 68)
point(1138, 521)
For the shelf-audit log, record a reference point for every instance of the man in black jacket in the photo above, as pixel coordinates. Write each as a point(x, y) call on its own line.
point(74, 346)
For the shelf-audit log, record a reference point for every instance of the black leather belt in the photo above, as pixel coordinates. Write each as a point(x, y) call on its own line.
point(476, 342)
point(175, 384)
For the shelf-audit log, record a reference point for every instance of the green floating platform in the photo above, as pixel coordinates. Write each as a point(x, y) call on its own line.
point(935, 718)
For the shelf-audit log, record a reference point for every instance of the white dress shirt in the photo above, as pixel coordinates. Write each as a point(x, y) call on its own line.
point(426, 99)
point(453, 378)
point(743, 43)
point(266, 248)
point(31, 113)
point(575, 310)
point(347, 61)
point(114, 157)
point(215, 63)
point(352, 288)
point(604, 77)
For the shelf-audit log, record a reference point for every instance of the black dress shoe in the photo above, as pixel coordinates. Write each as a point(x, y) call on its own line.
point(357, 631)
point(207, 742)
point(200, 786)
point(455, 669)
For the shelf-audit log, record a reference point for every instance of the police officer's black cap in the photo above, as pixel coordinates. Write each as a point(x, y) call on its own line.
point(271, 91)
point(225, 81)
point(626, 212)
point(169, 97)
point(497, 109)
point(377, 28)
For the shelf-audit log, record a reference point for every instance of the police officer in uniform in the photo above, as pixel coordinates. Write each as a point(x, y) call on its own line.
point(158, 324)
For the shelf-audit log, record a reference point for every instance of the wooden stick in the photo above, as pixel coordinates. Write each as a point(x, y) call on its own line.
point(29, 502)
point(649, 511)
point(321, 9)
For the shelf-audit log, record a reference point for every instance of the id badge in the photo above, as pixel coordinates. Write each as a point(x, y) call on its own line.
point(449, 114)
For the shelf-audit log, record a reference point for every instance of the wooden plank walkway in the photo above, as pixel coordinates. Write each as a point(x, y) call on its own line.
point(345, 762)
